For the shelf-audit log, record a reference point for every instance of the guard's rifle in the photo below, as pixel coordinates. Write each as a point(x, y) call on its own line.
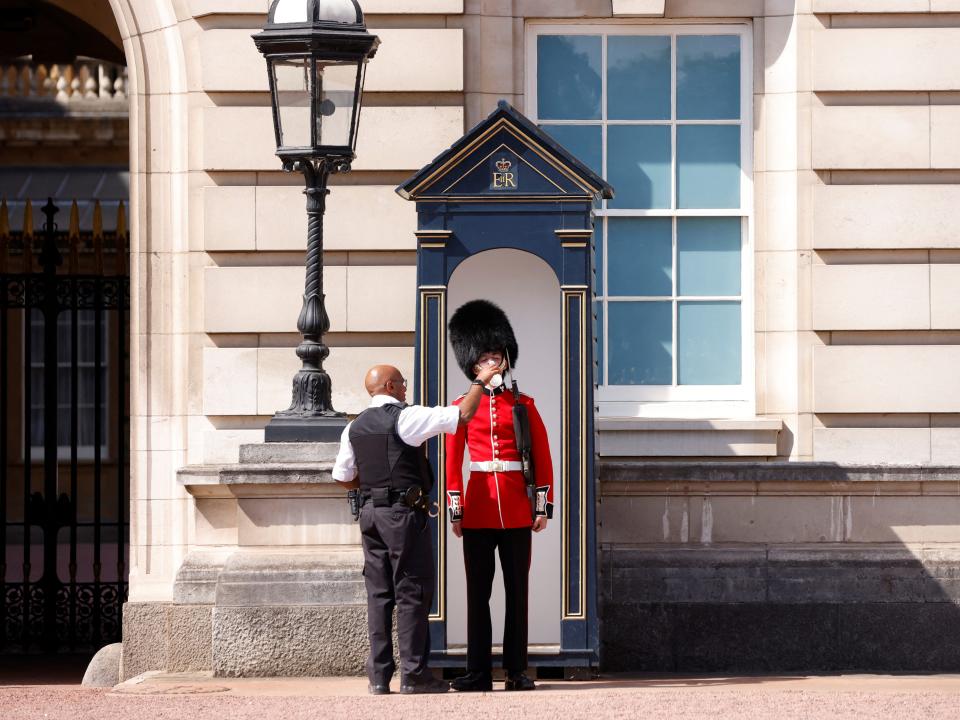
point(521, 429)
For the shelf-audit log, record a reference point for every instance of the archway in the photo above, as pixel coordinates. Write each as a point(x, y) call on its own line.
point(64, 405)
point(534, 311)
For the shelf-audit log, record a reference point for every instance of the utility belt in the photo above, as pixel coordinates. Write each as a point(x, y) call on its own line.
point(413, 497)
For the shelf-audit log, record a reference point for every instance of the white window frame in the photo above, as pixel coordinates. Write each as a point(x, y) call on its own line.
point(677, 401)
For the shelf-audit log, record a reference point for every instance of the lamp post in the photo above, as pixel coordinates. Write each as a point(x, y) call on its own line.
point(316, 53)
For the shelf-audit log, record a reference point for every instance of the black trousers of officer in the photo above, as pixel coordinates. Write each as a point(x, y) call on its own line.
point(398, 571)
point(513, 547)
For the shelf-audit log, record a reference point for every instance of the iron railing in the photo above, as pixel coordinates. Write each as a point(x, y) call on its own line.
point(64, 301)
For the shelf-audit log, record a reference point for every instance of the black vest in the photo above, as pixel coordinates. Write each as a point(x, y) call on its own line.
point(383, 459)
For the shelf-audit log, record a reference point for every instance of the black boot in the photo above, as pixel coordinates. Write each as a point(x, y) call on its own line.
point(473, 682)
point(424, 686)
point(519, 681)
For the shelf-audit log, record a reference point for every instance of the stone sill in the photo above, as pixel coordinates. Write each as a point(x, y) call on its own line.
point(664, 437)
point(226, 481)
point(626, 477)
point(268, 470)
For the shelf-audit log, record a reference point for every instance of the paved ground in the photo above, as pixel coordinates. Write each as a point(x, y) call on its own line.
point(783, 697)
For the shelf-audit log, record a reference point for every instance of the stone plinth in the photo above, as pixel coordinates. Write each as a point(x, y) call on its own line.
point(285, 598)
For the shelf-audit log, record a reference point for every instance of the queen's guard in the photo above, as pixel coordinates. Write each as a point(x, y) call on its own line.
point(509, 492)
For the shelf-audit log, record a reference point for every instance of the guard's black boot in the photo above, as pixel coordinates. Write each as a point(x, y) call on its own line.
point(376, 689)
point(424, 686)
point(473, 682)
point(519, 681)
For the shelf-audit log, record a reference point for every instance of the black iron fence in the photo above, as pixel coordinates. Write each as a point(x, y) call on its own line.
point(64, 488)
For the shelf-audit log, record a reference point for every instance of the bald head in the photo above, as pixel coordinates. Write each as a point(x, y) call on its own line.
point(385, 380)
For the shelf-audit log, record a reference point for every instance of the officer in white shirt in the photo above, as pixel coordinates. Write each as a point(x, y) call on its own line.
point(381, 453)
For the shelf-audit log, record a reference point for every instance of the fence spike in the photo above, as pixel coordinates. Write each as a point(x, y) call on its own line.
point(121, 220)
point(28, 219)
point(97, 218)
point(74, 231)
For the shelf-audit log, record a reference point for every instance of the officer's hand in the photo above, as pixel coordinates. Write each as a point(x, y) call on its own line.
point(539, 524)
point(457, 530)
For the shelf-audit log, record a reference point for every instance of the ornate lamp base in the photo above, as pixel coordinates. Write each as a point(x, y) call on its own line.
point(305, 428)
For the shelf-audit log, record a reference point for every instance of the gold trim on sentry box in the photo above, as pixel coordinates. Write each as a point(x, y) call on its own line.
point(579, 294)
point(438, 293)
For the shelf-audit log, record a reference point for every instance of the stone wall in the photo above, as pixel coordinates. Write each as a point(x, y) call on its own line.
point(779, 567)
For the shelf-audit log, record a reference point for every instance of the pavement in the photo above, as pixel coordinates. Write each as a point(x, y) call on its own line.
point(189, 696)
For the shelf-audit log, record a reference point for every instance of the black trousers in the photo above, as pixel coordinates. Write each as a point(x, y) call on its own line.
point(513, 547)
point(398, 571)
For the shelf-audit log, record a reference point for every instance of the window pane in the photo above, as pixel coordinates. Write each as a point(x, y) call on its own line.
point(568, 77)
point(638, 77)
point(638, 166)
point(640, 343)
point(708, 166)
point(640, 256)
point(709, 343)
point(585, 143)
point(598, 336)
point(708, 256)
point(708, 77)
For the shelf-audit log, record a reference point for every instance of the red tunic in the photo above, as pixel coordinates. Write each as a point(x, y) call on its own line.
point(497, 499)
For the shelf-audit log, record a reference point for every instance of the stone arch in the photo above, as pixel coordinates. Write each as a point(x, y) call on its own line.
point(153, 43)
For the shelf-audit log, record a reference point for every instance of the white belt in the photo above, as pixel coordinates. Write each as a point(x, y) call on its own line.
point(496, 466)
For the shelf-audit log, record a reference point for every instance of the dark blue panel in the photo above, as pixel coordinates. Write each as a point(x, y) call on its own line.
point(475, 230)
point(573, 635)
point(576, 264)
point(438, 637)
point(431, 263)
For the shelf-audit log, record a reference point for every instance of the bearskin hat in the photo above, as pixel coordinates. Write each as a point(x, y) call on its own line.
point(477, 327)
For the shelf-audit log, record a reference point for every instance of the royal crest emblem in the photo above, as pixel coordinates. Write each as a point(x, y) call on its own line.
point(504, 177)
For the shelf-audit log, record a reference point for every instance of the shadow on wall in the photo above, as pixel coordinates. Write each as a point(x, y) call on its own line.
point(777, 567)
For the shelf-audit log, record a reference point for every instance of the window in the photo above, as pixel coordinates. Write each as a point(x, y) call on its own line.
point(86, 384)
point(663, 113)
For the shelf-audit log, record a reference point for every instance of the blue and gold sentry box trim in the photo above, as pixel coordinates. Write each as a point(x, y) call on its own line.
point(508, 184)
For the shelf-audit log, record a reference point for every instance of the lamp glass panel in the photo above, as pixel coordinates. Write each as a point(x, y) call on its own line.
point(337, 90)
point(289, 11)
point(292, 87)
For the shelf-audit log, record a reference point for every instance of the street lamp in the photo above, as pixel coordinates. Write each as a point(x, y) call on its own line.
point(316, 53)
